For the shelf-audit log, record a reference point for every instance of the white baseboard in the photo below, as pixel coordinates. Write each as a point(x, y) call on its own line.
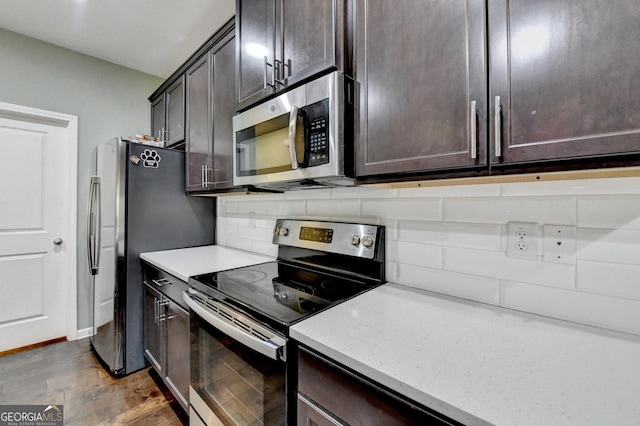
point(85, 332)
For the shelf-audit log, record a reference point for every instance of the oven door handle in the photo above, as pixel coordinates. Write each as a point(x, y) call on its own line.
point(269, 348)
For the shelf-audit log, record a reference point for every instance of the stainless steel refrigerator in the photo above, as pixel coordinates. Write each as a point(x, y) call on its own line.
point(137, 203)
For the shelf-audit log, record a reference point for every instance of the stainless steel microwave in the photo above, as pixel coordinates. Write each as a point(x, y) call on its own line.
point(300, 139)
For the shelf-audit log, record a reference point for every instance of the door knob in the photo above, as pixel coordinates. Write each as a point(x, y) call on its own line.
point(57, 241)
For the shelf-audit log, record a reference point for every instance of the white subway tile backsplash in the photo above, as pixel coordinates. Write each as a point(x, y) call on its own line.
point(286, 209)
point(425, 255)
point(471, 235)
point(403, 209)
point(308, 194)
point(391, 271)
point(363, 192)
point(573, 187)
point(600, 311)
point(449, 191)
point(498, 265)
point(333, 208)
point(239, 243)
point(451, 240)
point(609, 212)
point(609, 279)
point(480, 289)
point(609, 245)
point(541, 210)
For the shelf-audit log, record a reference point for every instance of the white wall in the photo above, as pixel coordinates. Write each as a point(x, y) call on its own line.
point(452, 240)
point(108, 99)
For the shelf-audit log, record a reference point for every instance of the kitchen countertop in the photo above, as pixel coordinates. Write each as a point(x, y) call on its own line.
point(187, 262)
point(480, 364)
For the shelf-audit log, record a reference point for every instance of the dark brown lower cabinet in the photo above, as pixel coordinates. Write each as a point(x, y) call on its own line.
point(166, 331)
point(329, 394)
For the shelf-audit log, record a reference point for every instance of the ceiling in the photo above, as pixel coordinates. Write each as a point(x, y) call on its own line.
point(152, 36)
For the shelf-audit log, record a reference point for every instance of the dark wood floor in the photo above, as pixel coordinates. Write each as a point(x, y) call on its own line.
point(68, 374)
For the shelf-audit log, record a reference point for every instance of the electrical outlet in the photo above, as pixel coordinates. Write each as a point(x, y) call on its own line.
point(522, 240)
point(559, 244)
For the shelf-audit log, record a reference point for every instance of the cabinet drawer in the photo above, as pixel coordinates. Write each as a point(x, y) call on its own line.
point(346, 398)
point(165, 283)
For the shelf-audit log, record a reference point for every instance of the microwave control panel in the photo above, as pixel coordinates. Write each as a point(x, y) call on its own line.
point(317, 151)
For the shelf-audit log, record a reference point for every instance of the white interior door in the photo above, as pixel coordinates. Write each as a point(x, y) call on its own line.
point(37, 229)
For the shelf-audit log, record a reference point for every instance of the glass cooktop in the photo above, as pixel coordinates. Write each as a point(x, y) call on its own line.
point(276, 292)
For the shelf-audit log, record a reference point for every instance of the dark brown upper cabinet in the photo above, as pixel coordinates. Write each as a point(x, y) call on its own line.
point(281, 43)
point(167, 114)
point(563, 79)
point(420, 69)
point(210, 108)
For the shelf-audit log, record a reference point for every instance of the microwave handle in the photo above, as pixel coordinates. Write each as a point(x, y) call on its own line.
point(293, 122)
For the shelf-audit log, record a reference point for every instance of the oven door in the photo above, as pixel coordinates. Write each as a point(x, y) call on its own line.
point(238, 367)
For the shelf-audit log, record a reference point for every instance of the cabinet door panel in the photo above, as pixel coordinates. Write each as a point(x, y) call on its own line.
point(255, 37)
point(419, 65)
point(223, 111)
point(175, 112)
point(178, 352)
point(308, 37)
point(152, 331)
point(198, 121)
point(567, 75)
point(157, 117)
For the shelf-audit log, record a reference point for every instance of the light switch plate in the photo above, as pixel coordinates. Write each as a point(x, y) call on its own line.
point(559, 244)
point(522, 240)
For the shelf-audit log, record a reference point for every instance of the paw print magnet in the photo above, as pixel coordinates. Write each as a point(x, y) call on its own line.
point(150, 158)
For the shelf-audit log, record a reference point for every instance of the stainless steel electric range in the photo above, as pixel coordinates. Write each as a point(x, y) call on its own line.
point(243, 364)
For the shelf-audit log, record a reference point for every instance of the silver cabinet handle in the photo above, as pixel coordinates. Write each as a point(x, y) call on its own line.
point(57, 241)
point(279, 67)
point(162, 316)
point(202, 177)
point(498, 127)
point(273, 75)
point(161, 281)
point(155, 310)
point(293, 123)
point(473, 130)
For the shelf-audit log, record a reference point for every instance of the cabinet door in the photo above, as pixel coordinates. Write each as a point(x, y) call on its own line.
point(566, 73)
point(223, 102)
point(178, 352)
point(309, 31)
point(421, 69)
point(152, 328)
point(198, 138)
point(158, 117)
point(255, 39)
point(174, 98)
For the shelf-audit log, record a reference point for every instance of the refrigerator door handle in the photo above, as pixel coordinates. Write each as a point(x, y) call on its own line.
point(93, 225)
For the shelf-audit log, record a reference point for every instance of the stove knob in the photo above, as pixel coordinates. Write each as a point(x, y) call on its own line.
point(276, 230)
point(367, 241)
point(355, 240)
point(283, 232)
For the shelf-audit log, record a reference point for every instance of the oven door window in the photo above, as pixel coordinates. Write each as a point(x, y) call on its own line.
point(240, 386)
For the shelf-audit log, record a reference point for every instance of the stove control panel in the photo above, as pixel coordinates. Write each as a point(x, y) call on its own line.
point(353, 239)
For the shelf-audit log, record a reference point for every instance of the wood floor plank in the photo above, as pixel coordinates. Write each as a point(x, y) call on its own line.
point(68, 374)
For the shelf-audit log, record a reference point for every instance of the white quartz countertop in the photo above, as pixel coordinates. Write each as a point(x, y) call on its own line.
point(187, 262)
point(479, 364)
